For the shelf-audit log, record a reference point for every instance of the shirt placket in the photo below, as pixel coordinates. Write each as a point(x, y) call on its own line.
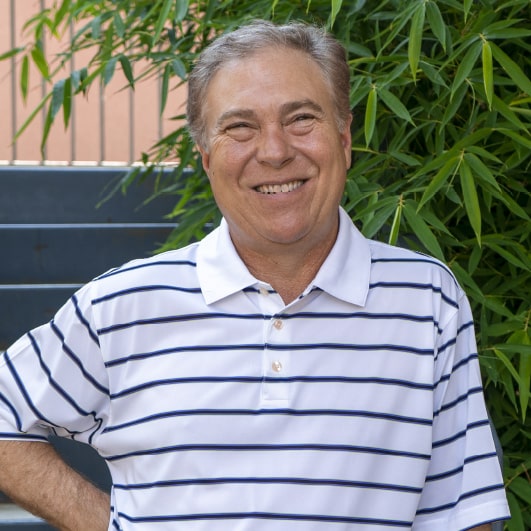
point(276, 354)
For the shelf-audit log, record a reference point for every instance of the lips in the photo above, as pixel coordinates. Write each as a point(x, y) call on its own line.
point(279, 188)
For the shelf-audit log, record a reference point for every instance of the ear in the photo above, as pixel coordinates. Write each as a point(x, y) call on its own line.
point(205, 159)
point(346, 141)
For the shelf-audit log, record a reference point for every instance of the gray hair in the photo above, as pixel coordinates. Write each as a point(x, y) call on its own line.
point(322, 47)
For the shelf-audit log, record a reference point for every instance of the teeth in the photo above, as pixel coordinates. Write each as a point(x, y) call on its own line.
point(279, 188)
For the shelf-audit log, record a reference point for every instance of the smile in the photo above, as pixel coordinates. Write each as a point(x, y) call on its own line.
point(279, 188)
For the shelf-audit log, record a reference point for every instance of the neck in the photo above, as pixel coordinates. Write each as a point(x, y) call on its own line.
point(288, 270)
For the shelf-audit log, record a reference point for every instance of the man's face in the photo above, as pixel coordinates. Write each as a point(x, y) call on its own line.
point(274, 156)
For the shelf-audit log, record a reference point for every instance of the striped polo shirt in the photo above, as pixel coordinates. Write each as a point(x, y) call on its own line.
point(358, 406)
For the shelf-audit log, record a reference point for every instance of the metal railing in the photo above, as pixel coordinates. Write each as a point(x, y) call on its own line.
point(113, 141)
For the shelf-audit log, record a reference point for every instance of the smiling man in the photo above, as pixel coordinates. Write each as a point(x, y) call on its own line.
point(283, 373)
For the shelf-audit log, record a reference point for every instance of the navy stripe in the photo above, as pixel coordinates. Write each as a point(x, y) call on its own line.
point(458, 470)
point(423, 258)
point(359, 315)
point(27, 397)
point(61, 391)
point(126, 269)
point(181, 318)
point(266, 516)
point(458, 365)
point(414, 285)
point(261, 317)
point(461, 434)
point(263, 346)
point(270, 480)
point(84, 321)
point(140, 289)
point(279, 411)
point(71, 354)
point(267, 379)
point(22, 436)
point(13, 411)
point(270, 448)
point(458, 400)
point(463, 496)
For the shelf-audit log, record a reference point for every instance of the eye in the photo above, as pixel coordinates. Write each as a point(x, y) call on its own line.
point(240, 131)
point(301, 123)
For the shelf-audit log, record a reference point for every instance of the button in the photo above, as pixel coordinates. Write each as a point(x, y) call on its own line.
point(276, 366)
point(278, 324)
point(263, 291)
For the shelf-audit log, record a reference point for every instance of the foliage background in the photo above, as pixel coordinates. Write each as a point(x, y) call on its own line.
point(441, 96)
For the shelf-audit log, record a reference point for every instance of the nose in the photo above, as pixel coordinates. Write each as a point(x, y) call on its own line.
point(273, 147)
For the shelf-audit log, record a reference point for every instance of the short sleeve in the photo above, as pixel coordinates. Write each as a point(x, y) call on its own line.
point(464, 486)
point(53, 379)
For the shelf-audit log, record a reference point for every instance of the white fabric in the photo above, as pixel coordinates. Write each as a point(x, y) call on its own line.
point(356, 407)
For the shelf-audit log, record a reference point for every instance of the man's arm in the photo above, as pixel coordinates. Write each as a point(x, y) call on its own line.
point(486, 527)
point(34, 476)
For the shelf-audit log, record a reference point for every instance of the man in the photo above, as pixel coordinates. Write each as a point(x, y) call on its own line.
point(285, 372)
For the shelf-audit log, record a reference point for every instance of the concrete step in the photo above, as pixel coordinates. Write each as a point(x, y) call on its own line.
point(14, 518)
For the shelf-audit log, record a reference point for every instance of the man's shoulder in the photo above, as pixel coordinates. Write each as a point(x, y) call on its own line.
point(163, 267)
point(395, 262)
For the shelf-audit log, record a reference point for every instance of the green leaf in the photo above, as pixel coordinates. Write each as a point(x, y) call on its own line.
point(439, 180)
point(436, 21)
point(510, 257)
point(95, 28)
point(516, 523)
point(11, 53)
point(32, 115)
point(127, 70)
point(336, 6)
point(395, 227)
point(522, 339)
point(163, 18)
point(165, 87)
point(488, 78)
point(61, 13)
point(512, 69)
point(119, 25)
point(415, 38)
point(481, 170)
point(179, 68)
point(108, 71)
point(67, 101)
point(422, 230)
point(24, 77)
point(181, 10)
point(466, 65)
point(40, 61)
point(370, 115)
point(522, 488)
point(58, 94)
point(467, 4)
point(48, 121)
point(470, 197)
point(508, 365)
point(395, 104)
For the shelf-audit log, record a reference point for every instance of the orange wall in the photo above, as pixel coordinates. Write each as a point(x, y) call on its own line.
point(90, 138)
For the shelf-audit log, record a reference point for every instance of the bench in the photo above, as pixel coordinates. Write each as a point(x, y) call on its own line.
point(54, 238)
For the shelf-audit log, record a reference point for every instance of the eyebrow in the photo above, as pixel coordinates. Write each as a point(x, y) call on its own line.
point(286, 108)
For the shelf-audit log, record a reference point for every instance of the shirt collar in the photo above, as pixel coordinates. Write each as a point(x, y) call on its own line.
point(344, 274)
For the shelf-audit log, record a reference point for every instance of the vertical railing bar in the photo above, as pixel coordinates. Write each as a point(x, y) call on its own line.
point(44, 154)
point(72, 125)
point(102, 125)
point(159, 109)
point(132, 125)
point(14, 117)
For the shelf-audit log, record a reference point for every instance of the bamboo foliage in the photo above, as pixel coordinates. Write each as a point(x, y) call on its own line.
point(441, 97)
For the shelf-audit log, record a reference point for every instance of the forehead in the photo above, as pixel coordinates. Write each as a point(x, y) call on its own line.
point(267, 79)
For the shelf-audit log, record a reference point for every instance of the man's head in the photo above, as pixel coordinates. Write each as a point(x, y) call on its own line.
point(274, 136)
point(321, 47)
